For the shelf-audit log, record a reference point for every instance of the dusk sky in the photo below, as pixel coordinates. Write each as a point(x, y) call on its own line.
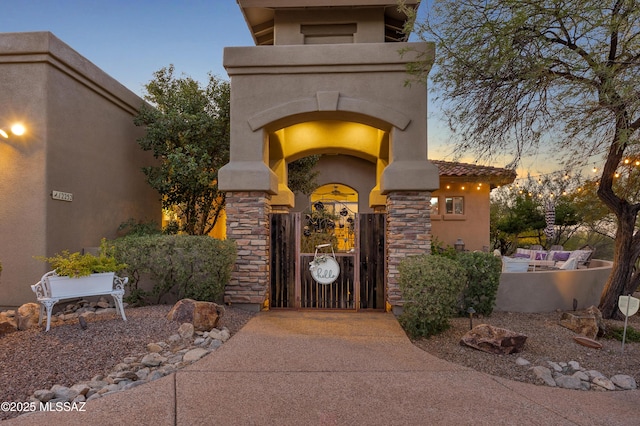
point(131, 39)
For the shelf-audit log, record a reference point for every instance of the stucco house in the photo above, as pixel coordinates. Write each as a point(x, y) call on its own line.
point(460, 208)
point(325, 78)
point(328, 77)
point(74, 175)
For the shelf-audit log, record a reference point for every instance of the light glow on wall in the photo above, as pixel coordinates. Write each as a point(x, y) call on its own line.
point(18, 129)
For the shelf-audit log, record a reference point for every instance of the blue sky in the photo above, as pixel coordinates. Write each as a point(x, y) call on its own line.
point(131, 39)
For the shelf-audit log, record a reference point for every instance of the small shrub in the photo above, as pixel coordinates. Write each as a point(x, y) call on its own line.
point(616, 333)
point(430, 286)
point(80, 265)
point(438, 248)
point(186, 266)
point(483, 278)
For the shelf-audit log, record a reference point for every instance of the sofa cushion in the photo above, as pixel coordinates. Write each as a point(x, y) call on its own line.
point(561, 256)
point(541, 255)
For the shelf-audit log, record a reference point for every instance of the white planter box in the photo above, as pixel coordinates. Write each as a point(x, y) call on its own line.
point(52, 288)
point(66, 287)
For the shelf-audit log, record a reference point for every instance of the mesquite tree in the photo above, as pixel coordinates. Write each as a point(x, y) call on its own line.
point(562, 75)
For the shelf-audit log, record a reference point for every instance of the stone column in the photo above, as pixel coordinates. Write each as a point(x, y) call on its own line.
point(408, 233)
point(248, 225)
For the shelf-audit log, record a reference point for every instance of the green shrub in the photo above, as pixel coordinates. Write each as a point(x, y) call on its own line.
point(133, 227)
point(430, 286)
point(80, 265)
point(617, 333)
point(483, 278)
point(186, 266)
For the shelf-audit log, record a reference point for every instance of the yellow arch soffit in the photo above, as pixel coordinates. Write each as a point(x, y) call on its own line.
point(330, 137)
point(293, 112)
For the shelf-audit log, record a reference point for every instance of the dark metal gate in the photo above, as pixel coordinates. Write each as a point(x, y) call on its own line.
point(360, 284)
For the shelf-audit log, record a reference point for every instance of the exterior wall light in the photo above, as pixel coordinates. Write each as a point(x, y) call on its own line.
point(16, 129)
point(459, 245)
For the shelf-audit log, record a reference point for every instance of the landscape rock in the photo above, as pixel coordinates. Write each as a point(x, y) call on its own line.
point(494, 340)
point(602, 327)
point(575, 365)
point(544, 374)
point(203, 315)
point(186, 330)
point(194, 354)
point(153, 359)
point(154, 347)
point(64, 393)
point(588, 323)
point(523, 362)
point(555, 366)
point(624, 382)
point(604, 383)
point(81, 388)
point(581, 375)
point(568, 382)
point(44, 395)
point(28, 316)
point(7, 326)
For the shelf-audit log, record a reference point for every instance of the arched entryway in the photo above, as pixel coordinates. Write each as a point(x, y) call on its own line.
point(331, 227)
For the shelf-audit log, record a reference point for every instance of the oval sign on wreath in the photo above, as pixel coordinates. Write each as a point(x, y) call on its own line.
point(324, 267)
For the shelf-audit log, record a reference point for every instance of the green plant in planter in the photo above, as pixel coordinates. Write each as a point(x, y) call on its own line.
point(80, 265)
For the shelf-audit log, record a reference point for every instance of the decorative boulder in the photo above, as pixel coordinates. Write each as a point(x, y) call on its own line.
point(588, 323)
point(494, 340)
point(7, 325)
point(203, 315)
point(28, 316)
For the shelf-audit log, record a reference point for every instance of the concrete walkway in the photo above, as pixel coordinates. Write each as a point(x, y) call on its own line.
point(331, 368)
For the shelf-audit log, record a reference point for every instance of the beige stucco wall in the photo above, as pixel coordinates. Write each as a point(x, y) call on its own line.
point(473, 225)
point(355, 172)
point(368, 23)
point(80, 139)
point(277, 86)
point(548, 291)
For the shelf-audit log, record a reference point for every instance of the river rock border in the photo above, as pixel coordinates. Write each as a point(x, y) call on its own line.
point(162, 358)
point(570, 375)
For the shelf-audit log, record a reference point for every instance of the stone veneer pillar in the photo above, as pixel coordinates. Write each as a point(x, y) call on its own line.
point(408, 233)
point(248, 225)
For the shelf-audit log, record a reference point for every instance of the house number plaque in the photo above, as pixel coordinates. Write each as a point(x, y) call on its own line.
point(62, 196)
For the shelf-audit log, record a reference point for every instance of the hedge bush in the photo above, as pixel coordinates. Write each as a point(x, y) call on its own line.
point(430, 287)
point(483, 278)
point(186, 266)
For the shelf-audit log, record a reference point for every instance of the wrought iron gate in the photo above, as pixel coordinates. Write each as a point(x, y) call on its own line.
point(360, 284)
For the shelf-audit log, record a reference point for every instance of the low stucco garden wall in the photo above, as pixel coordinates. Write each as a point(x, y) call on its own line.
point(547, 291)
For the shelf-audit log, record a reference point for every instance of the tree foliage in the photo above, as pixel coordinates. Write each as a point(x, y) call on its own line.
point(518, 212)
point(188, 131)
point(517, 75)
point(302, 176)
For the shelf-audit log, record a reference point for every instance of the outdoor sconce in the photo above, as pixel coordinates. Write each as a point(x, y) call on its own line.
point(471, 311)
point(459, 245)
point(16, 129)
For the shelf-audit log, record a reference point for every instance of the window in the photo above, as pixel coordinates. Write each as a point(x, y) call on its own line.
point(454, 205)
point(435, 207)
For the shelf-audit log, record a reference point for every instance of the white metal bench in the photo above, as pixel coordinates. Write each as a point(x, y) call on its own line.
point(52, 288)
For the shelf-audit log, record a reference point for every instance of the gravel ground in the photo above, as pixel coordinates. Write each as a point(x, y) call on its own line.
point(33, 359)
point(66, 354)
point(546, 341)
